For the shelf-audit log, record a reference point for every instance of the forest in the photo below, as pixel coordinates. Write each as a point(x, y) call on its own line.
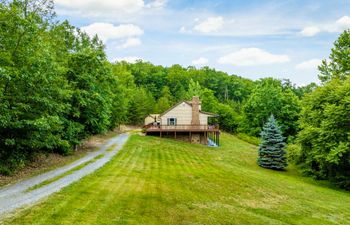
point(57, 88)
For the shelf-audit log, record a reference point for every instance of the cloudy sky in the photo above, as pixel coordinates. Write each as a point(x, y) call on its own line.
point(253, 39)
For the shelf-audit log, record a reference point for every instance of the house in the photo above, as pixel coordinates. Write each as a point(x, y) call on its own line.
point(184, 121)
point(152, 118)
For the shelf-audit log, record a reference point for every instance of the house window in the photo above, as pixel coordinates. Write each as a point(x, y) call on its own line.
point(172, 121)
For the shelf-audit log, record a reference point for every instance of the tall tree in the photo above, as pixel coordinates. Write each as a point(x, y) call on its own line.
point(325, 119)
point(339, 60)
point(34, 91)
point(324, 138)
point(56, 86)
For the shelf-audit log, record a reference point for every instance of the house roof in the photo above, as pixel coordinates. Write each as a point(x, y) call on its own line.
point(174, 107)
point(190, 104)
point(208, 113)
point(153, 115)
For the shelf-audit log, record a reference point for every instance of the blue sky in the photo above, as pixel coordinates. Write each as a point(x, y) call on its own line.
point(253, 39)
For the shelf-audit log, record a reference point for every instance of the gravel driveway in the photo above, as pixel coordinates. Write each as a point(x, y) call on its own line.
point(16, 195)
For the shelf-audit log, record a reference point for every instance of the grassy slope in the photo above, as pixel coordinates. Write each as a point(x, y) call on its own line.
point(158, 181)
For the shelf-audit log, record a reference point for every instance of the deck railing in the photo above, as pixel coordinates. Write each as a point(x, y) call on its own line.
point(152, 127)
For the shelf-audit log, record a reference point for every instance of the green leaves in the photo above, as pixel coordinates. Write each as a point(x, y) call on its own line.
point(269, 98)
point(324, 139)
point(56, 86)
point(336, 153)
point(339, 60)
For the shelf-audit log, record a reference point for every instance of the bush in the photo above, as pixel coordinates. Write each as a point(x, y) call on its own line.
point(294, 153)
point(4, 170)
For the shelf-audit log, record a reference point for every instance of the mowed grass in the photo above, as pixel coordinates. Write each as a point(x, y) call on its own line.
point(161, 181)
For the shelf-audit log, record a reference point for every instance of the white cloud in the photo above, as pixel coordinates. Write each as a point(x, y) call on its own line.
point(102, 6)
point(129, 59)
point(343, 22)
point(200, 61)
point(252, 56)
point(107, 31)
point(210, 25)
point(131, 42)
point(157, 4)
point(337, 26)
point(310, 31)
point(183, 29)
point(311, 64)
point(109, 10)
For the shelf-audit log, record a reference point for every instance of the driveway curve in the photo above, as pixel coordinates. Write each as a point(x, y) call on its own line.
point(17, 195)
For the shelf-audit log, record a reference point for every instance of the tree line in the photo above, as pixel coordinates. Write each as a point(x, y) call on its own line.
point(57, 88)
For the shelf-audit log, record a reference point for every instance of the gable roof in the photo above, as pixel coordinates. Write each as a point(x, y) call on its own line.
point(208, 113)
point(153, 115)
point(190, 104)
point(174, 106)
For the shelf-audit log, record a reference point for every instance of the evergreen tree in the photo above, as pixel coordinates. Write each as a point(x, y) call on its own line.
point(271, 150)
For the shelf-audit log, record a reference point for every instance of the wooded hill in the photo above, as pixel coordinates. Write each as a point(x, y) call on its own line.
point(57, 88)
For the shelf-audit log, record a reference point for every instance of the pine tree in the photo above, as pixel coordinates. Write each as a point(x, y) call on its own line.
point(271, 150)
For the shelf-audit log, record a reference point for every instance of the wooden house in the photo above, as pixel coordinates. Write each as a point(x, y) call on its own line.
point(185, 121)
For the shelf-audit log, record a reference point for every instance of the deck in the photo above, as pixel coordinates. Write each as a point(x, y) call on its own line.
point(206, 134)
point(182, 128)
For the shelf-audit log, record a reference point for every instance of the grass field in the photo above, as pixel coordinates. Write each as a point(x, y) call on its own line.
point(159, 181)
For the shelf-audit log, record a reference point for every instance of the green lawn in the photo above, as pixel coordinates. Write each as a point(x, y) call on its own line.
point(160, 181)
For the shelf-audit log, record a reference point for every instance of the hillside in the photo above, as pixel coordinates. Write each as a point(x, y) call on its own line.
point(161, 181)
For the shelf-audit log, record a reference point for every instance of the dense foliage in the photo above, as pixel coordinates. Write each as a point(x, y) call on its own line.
point(269, 97)
point(56, 85)
point(324, 140)
point(272, 154)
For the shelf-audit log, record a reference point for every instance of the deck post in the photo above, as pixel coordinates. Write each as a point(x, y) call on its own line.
point(160, 134)
point(218, 138)
point(190, 137)
point(175, 134)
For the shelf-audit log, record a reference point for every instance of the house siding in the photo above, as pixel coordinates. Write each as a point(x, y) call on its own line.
point(183, 114)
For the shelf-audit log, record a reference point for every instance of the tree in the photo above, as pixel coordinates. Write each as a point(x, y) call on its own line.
point(141, 104)
point(34, 92)
point(90, 101)
point(269, 98)
point(177, 81)
point(56, 86)
point(339, 60)
point(164, 102)
point(271, 150)
point(194, 89)
point(324, 138)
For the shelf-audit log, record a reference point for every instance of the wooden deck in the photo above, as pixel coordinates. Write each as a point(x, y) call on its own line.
point(207, 133)
point(182, 128)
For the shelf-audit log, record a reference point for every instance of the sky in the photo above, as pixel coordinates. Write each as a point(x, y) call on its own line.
point(252, 39)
